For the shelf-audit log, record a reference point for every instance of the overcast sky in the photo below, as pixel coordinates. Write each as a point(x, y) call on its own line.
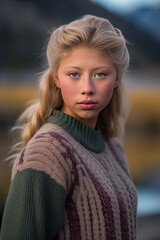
point(126, 5)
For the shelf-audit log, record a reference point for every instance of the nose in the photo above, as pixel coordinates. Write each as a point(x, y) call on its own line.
point(87, 86)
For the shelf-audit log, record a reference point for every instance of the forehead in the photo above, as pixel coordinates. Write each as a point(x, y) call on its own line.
point(86, 55)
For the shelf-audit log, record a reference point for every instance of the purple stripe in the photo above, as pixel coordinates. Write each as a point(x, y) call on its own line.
point(123, 218)
point(73, 217)
point(91, 218)
point(106, 207)
point(133, 199)
point(123, 211)
point(22, 156)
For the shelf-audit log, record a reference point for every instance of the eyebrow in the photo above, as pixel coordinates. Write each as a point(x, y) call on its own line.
point(93, 68)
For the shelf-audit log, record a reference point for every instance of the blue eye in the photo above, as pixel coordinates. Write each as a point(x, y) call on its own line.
point(74, 75)
point(100, 75)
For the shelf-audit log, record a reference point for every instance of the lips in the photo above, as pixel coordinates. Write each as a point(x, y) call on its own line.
point(87, 102)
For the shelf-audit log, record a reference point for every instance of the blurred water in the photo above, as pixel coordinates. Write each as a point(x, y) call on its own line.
point(148, 201)
point(9, 77)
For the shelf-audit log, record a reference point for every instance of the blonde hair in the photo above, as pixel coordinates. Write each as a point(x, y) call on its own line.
point(93, 32)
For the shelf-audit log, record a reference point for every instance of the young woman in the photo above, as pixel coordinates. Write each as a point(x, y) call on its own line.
point(70, 179)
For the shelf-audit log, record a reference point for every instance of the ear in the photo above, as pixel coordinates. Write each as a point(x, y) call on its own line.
point(117, 82)
point(56, 80)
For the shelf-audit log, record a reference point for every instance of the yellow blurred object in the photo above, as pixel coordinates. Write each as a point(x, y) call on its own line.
point(142, 148)
point(145, 103)
point(15, 96)
point(142, 139)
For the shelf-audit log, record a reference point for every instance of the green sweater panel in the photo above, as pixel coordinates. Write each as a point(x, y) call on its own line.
point(35, 205)
point(34, 208)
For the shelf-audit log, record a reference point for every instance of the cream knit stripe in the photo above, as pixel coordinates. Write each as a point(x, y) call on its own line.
point(44, 153)
point(115, 206)
point(62, 157)
point(101, 176)
point(95, 206)
point(72, 214)
point(130, 208)
point(73, 217)
point(80, 211)
point(111, 159)
point(80, 205)
point(98, 228)
point(121, 192)
point(93, 201)
point(91, 216)
point(86, 213)
point(47, 158)
point(42, 162)
point(106, 206)
point(129, 192)
point(129, 185)
point(117, 151)
point(131, 203)
point(125, 193)
point(92, 159)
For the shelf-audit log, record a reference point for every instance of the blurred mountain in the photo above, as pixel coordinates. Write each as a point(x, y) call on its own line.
point(25, 26)
point(147, 19)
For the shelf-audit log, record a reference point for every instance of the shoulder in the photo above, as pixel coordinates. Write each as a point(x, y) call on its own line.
point(47, 151)
point(117, 150)
point(116, 145)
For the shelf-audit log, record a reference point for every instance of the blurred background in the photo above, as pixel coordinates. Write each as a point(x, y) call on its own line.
point(25, 27)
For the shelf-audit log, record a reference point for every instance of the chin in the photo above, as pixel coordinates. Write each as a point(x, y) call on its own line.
point(88, 115)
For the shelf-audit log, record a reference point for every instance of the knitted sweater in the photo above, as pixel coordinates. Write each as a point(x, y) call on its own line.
point(69, 184)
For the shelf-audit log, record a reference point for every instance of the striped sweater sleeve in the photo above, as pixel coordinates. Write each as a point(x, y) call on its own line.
point(35, 204)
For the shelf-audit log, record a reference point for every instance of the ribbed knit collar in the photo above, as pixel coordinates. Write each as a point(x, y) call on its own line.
point(88, 137)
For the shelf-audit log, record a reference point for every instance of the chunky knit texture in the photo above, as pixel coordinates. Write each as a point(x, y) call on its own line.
point(63, 190)
point(91, 139)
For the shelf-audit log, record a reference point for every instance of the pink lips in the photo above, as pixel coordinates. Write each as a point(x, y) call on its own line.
point(87, 104)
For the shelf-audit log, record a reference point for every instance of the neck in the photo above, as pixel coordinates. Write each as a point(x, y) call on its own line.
point(88, 121)
point(85, 135)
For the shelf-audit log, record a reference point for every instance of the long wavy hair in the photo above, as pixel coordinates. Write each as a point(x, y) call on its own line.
point(94, 32)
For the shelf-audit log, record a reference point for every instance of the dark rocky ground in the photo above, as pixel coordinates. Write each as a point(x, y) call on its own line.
point(148, 227)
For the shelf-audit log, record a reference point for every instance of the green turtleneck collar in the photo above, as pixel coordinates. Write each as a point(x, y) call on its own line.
point(89, 138)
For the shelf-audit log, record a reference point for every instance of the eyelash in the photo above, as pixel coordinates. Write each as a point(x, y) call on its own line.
point(71, 75)
point(101, 74)
point(78, 75)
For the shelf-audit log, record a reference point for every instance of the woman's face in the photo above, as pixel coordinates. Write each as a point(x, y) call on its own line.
point(87, 78)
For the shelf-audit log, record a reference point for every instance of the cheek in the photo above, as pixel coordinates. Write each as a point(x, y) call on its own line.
point(106, 91)
point(67, 91)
